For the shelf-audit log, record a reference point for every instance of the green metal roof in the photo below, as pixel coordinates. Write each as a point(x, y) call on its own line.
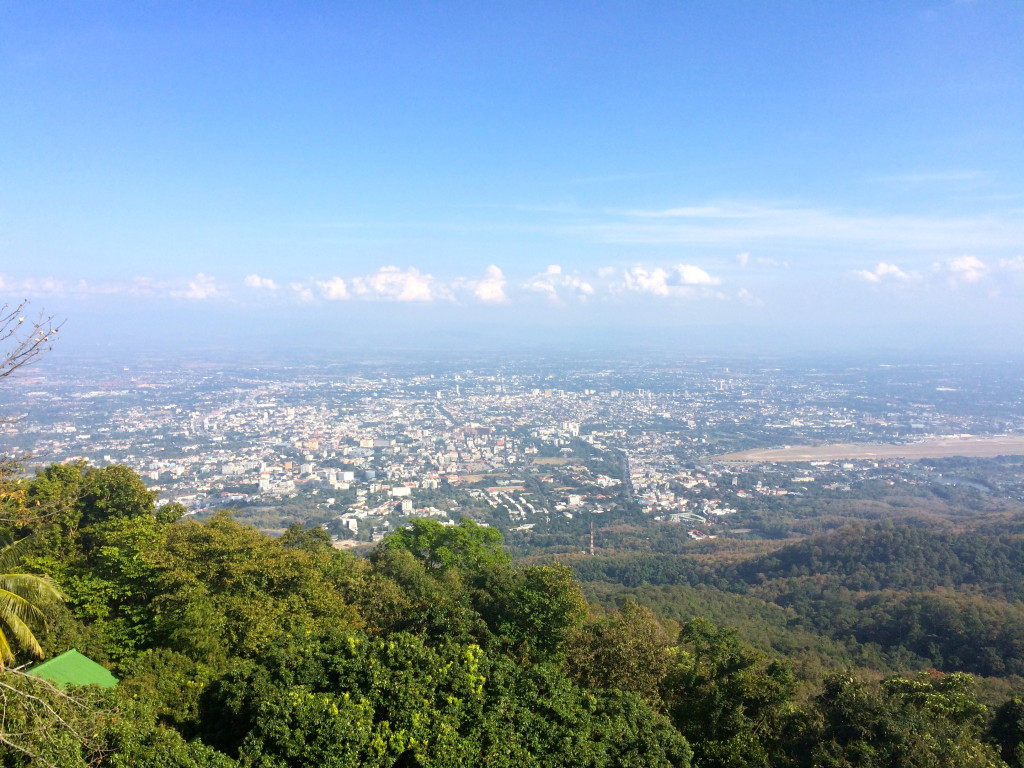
point(72, 668)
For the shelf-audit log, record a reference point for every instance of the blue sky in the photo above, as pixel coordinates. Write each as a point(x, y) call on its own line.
point(847, 173)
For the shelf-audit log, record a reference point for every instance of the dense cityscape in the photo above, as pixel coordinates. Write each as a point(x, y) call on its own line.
point(524, 445)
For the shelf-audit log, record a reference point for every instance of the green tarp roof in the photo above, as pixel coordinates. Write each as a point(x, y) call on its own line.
point(72, 668)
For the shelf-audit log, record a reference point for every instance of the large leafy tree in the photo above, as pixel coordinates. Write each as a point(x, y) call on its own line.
point(403, 594)
point(1007, 730)
point(534, 612)
point(925, 722)
point(726, 697)
point(94, 530)
point(224, 589)
point(628, 650)
point(468, 546)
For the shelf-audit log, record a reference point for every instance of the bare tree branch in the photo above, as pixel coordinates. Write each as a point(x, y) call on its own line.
point(23, 340)
point(40, 712)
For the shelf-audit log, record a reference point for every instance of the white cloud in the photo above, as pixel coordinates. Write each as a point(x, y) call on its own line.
point(303, 292)
point(41, 285)
point(744, 260)
point(966, 269)
point(545, 282)
point(577, 286)
point(490, 289)
point(201, 287)
point(748, 298)
point(334, 289)
point(1014, 265)
point(255, 281)
point(882, 272)
point(392, 284)
point(679, 280)
point(554, 284)
point(687, 274)
point(645, 280)
point(139, 286)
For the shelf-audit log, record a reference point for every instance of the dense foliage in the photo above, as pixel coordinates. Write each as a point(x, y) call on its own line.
point(885, 596)
point(237, 649)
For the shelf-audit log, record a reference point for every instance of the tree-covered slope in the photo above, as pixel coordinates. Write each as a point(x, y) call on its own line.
point(236, 649)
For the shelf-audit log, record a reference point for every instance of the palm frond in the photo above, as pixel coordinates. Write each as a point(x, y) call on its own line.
point(6, 653)
point(23, 635)
point(22, 597)
point(10, 555)
point(12, 604)
point(41, 589)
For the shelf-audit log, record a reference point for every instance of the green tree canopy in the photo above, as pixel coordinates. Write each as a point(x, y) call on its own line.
point(1007, 731)
point(468, 546)
point(925, 722)
point(628, 650)
point(728, 699)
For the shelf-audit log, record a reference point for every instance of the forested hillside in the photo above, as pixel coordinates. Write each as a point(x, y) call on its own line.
point(882, 596)
point(234, 648)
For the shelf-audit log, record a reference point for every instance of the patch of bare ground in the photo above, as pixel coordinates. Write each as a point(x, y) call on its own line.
point(935, 448)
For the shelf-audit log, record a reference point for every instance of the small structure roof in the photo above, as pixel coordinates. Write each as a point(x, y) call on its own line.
point(73, 668)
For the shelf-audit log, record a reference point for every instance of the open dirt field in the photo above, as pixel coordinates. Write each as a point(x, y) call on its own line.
point(936, 448)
